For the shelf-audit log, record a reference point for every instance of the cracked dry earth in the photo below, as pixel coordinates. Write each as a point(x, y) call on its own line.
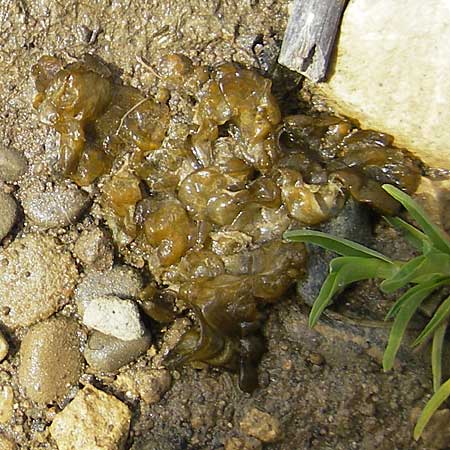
point(319, 389)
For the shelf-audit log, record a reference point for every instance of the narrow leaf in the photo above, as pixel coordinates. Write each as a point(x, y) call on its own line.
point(439, 316)
point(401, 321)
point(345, 270)
point(415, 237)
point(431, 407)
point(339, 245)
point(436, 355)
point(404, 276)
point(436, 235)
point(427, 288)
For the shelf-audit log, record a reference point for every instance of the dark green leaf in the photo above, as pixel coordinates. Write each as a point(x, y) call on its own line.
point(334, 244)
point(431, 407)
point(344, 271)
point(401, 321)
point(439, 316)
point(414, 236)
point(403, 276)
point(435, 234)
point(436, 354)
point(429, 286)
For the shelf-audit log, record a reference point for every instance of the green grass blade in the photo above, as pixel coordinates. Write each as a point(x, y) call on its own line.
point(427, 288)
point(415, 237)
point(335, 244)
point(431, 407)
point(325, 295)
point(344, 271)
point(439, 316)
point(436, 354)
point(435, 234)
point(401, 321)
point(403, 276)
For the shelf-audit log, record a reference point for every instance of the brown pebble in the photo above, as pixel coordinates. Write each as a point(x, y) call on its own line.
point(261, 425)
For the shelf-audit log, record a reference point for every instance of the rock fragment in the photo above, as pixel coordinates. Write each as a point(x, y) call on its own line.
point(148, 384)
point(59, 207)
point(37, 276)
point(261, 425)
point(115, 317)
point(95, 250)
point(94, 420)
point(8, 215)
point(243, 443)
point(106, 353)
point(50, 360)
point(6, 404)
point(120, 281)
point(12, 164)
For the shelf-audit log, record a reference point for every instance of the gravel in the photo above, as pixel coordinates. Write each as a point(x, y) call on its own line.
point(95, 249)
point(50, 360)
point(60, 206)
point(261, 425)
point(8, 215)
point(121, 281)
point(12, 164)
point(115, 317)
point(37, 277)
point(106, 353)
point(94, 420)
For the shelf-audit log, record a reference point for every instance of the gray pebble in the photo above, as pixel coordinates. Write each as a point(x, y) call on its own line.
point(8, 214)
point(121, 281)
point(59, 207)
point(105, 353)
point(12, 164)
point(95, 249)
point(115, 317)
point(50, 360)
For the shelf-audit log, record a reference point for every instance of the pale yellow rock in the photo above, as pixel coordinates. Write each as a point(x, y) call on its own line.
point(4, 347)
point(6, 443)
point(391, 73)
point(6, 404)
point(93, 420)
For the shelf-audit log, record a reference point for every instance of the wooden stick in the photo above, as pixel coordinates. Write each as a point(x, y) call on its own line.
point(310, 34)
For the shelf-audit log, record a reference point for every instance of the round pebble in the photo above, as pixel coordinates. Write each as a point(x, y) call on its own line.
point(115, 317)
point(50, 360)
point(12, 164)
point(120, 281)
point(106, 353)
point(59, 207)
point(37, 277)
point(8, 215)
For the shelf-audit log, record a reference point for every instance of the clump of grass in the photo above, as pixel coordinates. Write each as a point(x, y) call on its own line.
point(422, 276)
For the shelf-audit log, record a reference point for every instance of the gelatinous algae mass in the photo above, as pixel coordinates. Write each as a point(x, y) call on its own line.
point(206, 203)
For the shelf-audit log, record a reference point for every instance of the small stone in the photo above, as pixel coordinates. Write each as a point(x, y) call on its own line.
point(106, 353)
point(50, 360)
point(12, 164)
point(6, 404)
point(94, 420)
point(148, 384)
point(316, 359)
point(59, 207)
point(4, 347)
point(37, 277)
point(95, 250)
point(6, 443)
point(115, 317)
point(261, 425)
point(243, 443)
point(8, 216)
point(120, 281)
point(436, 434)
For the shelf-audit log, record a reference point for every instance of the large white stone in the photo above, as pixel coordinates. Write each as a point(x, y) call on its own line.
point(392, 72)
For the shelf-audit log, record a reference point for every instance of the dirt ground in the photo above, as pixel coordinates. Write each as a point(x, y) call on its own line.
point(325, 386)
